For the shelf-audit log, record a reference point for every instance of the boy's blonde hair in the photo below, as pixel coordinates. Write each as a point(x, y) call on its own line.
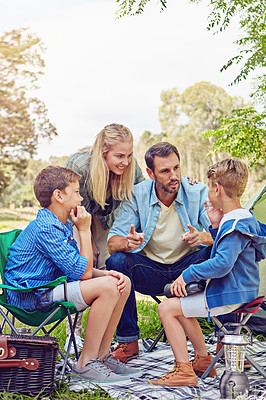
point(121, 185)
point(231, 174)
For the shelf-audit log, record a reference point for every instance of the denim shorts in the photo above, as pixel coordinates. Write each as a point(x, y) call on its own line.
point(195, 306)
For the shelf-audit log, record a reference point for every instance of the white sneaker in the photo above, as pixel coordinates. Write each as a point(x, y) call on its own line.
point(79, 342)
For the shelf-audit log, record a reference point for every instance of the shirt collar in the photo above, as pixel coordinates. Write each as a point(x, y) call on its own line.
point(44, 212)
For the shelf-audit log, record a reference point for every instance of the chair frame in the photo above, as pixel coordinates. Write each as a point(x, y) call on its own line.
point(64, 308)
point(244, 316)
point(161, 333)
point(244, 313)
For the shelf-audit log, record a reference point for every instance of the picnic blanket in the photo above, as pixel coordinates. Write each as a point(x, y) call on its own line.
point(160, 360)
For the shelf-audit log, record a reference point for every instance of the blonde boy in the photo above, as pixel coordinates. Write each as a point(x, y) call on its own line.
point(232, 273)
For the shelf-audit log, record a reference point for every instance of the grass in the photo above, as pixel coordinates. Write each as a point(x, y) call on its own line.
point(10, 219)
point(149, 322)
point(150, 326)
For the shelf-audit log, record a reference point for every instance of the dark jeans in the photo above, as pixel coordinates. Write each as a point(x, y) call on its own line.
point(147, 277)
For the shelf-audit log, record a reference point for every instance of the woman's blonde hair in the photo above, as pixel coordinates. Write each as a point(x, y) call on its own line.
point(121, 185)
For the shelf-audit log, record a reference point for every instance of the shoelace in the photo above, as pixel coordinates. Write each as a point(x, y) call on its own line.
point(169, 373)
point(99, 366)
point(112, 359)
point(194, 360)
point(121, 346)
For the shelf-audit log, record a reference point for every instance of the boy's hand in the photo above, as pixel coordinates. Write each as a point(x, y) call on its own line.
point(82, 220)
point(134, 239)
point(215, 214)
point(178, 287)
point(121, 283)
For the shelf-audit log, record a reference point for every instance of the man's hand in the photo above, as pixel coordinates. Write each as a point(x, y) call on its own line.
point(215, 214)
point(121, 283)
point(82, 220)
point(134, 239)
point(193, 237)
point(178, 287)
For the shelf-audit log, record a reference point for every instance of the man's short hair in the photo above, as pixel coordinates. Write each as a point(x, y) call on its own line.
point(231, 174)
point(50, 179)
point(161, 149)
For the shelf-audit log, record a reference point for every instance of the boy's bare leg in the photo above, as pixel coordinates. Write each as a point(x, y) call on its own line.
point(115, 317)
point(103, 295)
point(177, 326)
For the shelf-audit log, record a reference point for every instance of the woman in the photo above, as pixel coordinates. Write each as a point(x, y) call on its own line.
point(108, 172)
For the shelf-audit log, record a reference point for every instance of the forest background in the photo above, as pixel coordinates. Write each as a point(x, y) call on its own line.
point(203, 121)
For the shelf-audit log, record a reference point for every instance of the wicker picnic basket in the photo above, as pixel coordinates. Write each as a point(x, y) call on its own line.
point(27, 363)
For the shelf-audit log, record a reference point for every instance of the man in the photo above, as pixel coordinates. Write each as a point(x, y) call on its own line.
point(155, 235)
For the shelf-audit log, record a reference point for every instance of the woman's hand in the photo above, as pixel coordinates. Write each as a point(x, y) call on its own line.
point(192, 180)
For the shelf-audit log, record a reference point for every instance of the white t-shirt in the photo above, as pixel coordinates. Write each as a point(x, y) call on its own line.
point(166, 244)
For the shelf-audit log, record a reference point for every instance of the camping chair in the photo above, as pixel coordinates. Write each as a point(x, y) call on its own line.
point(243, 314)
point(37, 319)
point(161, 333)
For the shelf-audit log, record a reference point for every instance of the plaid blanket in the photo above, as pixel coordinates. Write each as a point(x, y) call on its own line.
point(160, 361)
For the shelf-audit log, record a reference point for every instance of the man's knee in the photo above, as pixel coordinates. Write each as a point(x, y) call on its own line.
point(117, 262)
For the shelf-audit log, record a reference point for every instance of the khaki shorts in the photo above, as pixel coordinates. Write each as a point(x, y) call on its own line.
point(73, 295)
point(195, 306)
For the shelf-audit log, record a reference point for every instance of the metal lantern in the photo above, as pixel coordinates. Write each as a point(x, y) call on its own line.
point(234, 381)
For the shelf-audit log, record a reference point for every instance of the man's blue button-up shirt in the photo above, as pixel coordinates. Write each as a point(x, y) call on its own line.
point(144, 209)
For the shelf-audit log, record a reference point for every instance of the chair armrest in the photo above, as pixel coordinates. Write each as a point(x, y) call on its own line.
point(51, 284)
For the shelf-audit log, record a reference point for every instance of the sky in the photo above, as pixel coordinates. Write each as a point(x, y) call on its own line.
point(100, 69)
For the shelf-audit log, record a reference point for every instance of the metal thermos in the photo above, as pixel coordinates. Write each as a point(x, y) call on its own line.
point(191, 288)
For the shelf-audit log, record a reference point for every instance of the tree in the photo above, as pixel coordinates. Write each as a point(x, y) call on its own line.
point(233, 136)
point(23, 117)
point(184, 117)
point(20, 189)
point(135, 7)
point(251, 56)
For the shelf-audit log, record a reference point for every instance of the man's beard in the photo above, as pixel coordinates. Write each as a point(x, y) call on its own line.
point(164, 188)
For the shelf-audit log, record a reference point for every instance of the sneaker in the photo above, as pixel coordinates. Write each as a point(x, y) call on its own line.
point(126, 351)
point(120, 368)
point(97, 372)
point(201, 363)
point(79, 342)
point(181, 375)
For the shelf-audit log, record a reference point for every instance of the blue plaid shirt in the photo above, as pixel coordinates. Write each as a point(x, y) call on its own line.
point(44, 251)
